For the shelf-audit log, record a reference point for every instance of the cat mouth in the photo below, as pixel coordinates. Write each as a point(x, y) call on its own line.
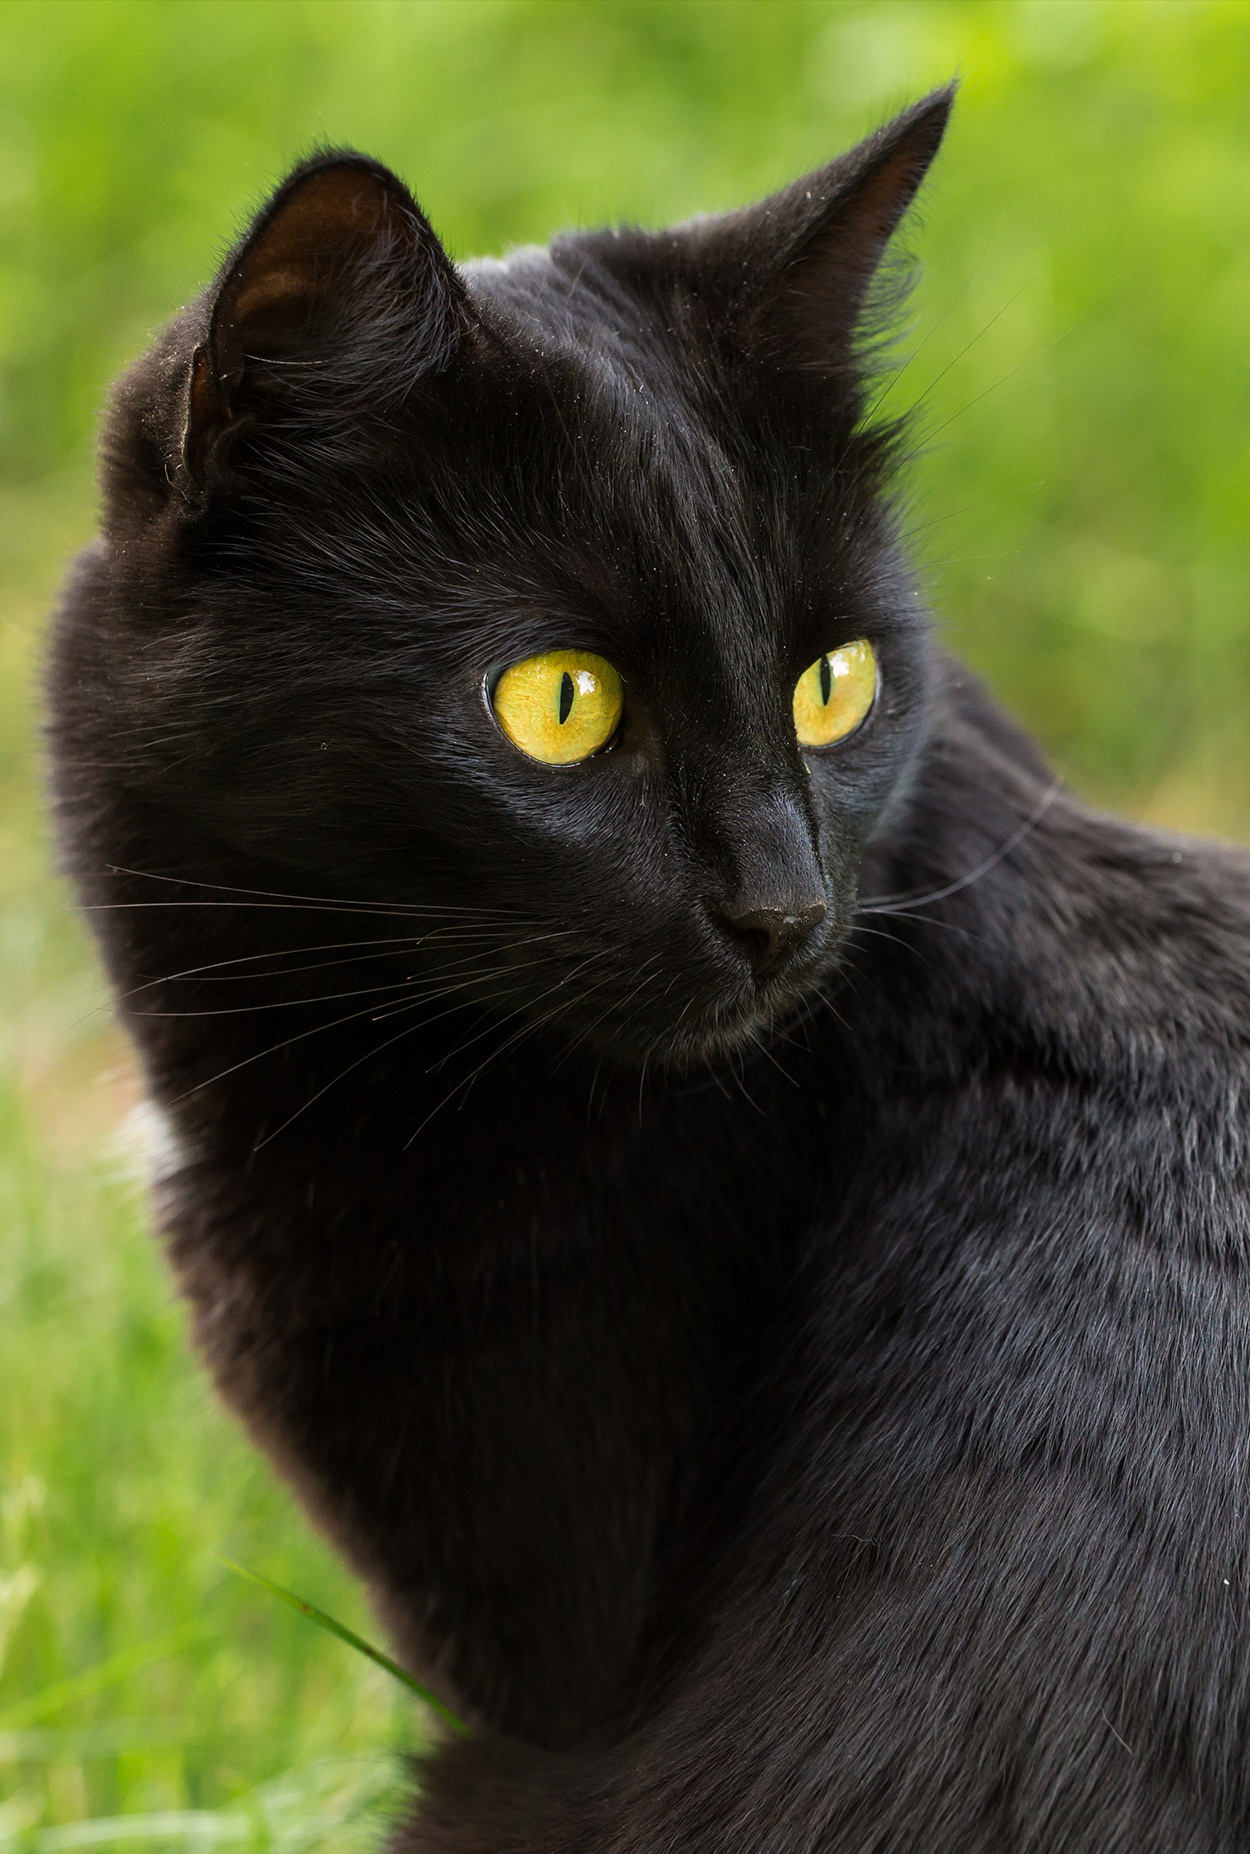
point(773, 1000)
point(712, 1023)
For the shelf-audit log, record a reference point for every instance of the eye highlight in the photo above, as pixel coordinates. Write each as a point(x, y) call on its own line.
point(560, 707)
point(834, 694)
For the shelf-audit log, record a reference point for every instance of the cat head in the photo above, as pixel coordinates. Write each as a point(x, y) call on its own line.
point(562, 588)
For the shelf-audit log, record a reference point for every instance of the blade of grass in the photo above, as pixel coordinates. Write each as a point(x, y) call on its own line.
point(104, 1674)
point(349, 1636)
point(194, 1828)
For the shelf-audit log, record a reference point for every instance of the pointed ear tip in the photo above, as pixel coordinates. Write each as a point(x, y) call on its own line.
point(332, 170)
point(323, 158)
point(930, 114)
point(942, 96)
point(334, 195)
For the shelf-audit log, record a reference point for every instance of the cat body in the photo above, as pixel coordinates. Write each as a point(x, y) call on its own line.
point(743, 1248)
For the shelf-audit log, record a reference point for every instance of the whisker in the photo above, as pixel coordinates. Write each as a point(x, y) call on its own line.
point(287, 1004)
point(278, 1004)
point(408, 1030)
point(439, 990)
point(633, 994)
point(560, 983)
point(190, 972)
point(967, 349)
point(500, 970)
point(389, 951)
point(738, 1071)
point(905, 913)
point(579, 1040)
point(927, 437)
point(884, 904)
point(526, 1029)
point(877, 933)
point(891, 383)
point(335, 901)
point(916, 529)
point(287, 907)
point(519, 1035)
point(368, 1056)
point(759, 1040)
point(287, 1043)
point(289, 952)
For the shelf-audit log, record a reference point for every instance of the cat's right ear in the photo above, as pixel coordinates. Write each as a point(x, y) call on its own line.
point(340, 292)
point(785, 282)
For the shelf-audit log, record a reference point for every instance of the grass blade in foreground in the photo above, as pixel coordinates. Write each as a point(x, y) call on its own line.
point(349, 1636)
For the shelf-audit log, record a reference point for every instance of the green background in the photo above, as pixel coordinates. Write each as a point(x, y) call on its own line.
point(1079, 502)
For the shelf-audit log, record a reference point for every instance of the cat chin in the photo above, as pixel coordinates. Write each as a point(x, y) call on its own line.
point(728, 1029)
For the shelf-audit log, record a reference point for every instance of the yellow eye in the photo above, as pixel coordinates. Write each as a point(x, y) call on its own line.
point(560, 707)
point(832, 697)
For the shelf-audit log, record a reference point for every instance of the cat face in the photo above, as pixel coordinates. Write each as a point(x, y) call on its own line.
point(561, 590)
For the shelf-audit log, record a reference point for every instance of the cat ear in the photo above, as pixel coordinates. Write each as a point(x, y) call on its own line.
point(789, 276)
point(832, 230)
point(339, 289)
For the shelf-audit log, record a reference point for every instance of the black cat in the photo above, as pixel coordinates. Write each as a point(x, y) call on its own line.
point(723, 1188)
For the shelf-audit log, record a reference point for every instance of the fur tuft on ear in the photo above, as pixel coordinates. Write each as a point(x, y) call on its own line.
point(339, 291)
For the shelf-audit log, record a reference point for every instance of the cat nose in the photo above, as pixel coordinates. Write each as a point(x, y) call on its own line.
point(774, 935)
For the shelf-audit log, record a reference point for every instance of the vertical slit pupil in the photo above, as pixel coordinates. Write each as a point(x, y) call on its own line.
point(826, 682)
point(567, 693)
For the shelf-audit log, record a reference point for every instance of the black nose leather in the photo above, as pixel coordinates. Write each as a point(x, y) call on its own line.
point(774, 935)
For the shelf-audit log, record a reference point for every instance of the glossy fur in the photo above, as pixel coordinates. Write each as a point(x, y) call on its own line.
point(799, 1412)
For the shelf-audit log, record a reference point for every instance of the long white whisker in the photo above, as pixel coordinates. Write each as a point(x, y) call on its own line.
point(408, 1030)
point(334, 901)
point(885, 904)
point(565, 979)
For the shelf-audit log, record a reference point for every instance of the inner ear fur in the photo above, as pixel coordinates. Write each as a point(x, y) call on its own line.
point(339, 284)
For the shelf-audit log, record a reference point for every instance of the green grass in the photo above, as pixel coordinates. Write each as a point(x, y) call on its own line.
point(1082, 366)
point(140, 1676)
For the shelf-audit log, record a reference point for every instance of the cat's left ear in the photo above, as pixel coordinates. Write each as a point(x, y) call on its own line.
point(793, 271)
point(339, 292)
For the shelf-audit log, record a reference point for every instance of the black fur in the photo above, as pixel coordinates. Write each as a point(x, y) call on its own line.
point(799, 1413)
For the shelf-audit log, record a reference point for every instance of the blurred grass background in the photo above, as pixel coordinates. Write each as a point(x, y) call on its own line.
point(1080, 505)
